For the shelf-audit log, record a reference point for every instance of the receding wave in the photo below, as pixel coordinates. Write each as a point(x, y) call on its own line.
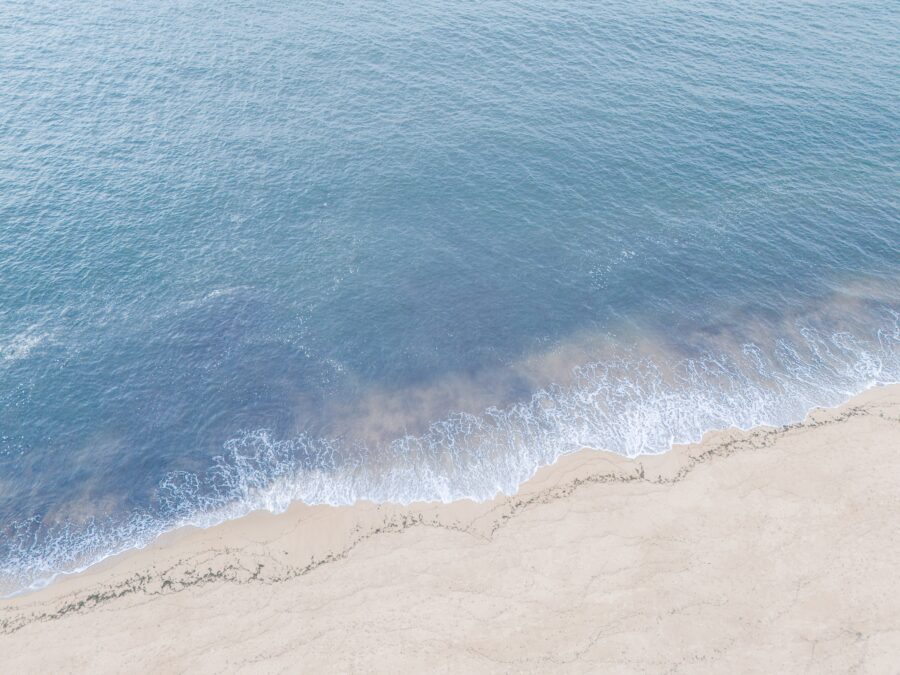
point(629, 403)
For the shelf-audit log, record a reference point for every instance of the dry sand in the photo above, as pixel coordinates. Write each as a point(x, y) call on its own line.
point(767, 551)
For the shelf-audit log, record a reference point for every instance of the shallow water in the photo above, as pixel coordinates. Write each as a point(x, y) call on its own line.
point(280, 251)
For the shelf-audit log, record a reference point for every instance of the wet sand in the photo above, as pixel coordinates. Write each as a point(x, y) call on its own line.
point(762, 551)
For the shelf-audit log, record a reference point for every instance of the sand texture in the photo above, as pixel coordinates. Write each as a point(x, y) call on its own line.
point(775, 550)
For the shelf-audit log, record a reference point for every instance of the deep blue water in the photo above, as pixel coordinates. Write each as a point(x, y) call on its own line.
point(255, 252)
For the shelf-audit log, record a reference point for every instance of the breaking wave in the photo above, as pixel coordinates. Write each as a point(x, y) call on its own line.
point(630, 405)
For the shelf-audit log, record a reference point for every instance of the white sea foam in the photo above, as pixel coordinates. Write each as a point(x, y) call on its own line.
point(20, 346)
point(629, 405)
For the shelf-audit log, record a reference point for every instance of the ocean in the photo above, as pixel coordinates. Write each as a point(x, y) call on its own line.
point(254, 252)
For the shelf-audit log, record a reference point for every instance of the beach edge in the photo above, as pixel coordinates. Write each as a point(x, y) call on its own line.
point(266, 554)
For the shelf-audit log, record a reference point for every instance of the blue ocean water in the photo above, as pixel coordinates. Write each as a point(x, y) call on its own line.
point(257, 252)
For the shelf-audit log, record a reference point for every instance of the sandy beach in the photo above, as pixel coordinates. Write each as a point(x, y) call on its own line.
point(774, 550)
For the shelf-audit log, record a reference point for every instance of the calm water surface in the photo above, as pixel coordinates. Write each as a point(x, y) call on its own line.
point(274, 251)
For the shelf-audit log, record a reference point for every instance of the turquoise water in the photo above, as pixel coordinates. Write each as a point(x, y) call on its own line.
point(265, 252)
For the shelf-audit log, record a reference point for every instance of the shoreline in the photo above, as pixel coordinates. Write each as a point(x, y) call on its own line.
point(318, 550)
point(177, 531)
